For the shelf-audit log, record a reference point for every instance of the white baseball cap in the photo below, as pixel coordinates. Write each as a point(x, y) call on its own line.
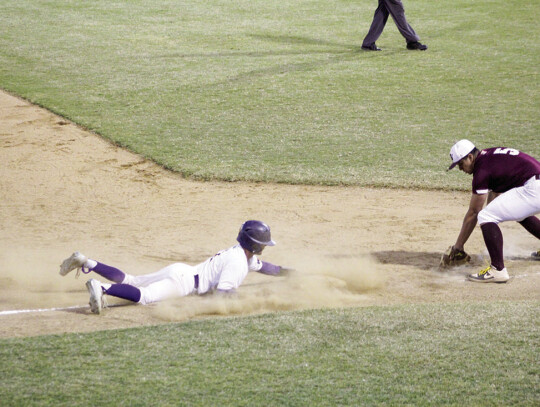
point(460, 150)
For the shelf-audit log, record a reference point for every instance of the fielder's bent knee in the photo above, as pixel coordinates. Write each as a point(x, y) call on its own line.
point(485, 216)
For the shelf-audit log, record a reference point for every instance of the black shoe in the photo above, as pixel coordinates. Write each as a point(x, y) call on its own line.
point(416, 45)
point(371, 47)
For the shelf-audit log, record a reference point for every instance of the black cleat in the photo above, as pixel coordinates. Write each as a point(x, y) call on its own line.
point(371, 47)
point(416, 45)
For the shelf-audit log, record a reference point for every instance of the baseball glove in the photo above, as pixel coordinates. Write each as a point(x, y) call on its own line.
point(454, 257)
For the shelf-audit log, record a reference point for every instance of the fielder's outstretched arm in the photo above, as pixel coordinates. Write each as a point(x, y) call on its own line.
point(470, 220)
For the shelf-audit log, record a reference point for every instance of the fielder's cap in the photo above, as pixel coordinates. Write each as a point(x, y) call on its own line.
point(460, 150)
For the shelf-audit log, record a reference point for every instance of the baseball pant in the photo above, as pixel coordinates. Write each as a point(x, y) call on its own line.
point(396, 10)
point(175, 280)
point(514, 205)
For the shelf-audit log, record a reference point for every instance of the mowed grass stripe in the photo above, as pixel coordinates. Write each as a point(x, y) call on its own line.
point(280, 92)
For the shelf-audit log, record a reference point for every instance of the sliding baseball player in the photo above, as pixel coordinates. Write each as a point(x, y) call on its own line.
point(222, 273)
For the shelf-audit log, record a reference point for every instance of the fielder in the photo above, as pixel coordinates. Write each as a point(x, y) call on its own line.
point(509, 181)
point(223, 272)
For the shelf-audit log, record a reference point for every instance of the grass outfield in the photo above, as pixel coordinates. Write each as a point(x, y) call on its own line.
point(456, 355)
point(280, 91)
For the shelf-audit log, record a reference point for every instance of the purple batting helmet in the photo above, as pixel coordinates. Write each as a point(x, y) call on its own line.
point(254, 235)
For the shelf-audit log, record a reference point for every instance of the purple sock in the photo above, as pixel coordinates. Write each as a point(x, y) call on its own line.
point(494, 242)
point(124, 291)
point(532, 224)
point(110, 273)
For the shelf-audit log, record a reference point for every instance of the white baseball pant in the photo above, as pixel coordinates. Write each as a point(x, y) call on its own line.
point(513, 205)
point(175, 280)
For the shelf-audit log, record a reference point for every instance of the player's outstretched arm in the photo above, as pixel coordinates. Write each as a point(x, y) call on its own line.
point(273, 270)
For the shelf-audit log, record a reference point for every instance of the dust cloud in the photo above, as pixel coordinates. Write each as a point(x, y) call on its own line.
point(30, 279)
point(314, 283)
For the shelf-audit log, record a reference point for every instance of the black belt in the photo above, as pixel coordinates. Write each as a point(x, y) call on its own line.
point(537, 176)
point(196, 277)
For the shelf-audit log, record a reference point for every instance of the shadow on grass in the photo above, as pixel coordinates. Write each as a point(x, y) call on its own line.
point(334, 48)
point(336, 52)
point(295, 39)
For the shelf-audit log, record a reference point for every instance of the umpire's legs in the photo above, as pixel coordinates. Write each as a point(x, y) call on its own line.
point(377, 26)
point(396, 10)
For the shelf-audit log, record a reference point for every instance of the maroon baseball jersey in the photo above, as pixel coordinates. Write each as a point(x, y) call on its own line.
point(499, 169)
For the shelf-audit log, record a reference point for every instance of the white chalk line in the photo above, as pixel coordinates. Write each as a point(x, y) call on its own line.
point(24, 311)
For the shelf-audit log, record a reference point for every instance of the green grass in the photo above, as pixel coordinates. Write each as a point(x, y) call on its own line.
point(456, 355)
point(280, 91)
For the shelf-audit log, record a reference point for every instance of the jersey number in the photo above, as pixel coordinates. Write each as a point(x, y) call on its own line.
point(510, 151)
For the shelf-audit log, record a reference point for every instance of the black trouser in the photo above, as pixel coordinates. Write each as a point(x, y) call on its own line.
point(396, 10)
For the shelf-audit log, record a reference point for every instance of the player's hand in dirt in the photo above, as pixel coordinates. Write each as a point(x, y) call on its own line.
point(286, 271)
point(454, 257)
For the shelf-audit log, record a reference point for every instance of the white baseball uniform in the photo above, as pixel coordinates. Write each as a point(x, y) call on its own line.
point(225, 271)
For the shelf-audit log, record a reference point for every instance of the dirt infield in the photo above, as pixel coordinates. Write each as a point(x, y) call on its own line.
point(65, 189)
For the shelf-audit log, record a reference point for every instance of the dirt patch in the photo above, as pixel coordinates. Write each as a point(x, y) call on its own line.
point(65, 189)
